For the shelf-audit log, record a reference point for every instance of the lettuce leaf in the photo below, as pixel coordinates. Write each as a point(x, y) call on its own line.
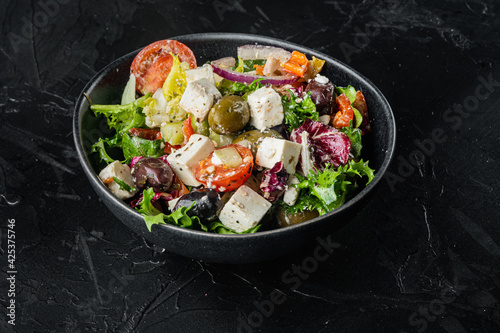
point(354, 134)
point(329, 189)
point(219, 228)
point(248, 64)
point(99, 147)
point(297, 112)
point(124, 117)
point(228, 87)
point(135, 146)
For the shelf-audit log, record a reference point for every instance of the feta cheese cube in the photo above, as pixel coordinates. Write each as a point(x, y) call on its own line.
point(266, 109)
point(199, 97)
point(121, 172)
point(272, 150)
point(204, 72)
point(184, 160)
point(244, 210)
point(291, 193)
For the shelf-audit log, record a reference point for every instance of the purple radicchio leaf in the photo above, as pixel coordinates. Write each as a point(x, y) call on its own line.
point(273, 182)
point(321, 145)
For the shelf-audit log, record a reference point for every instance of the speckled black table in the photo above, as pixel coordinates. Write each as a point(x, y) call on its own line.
point(423, 255)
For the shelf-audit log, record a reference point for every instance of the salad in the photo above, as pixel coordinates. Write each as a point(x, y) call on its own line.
point(236, 145)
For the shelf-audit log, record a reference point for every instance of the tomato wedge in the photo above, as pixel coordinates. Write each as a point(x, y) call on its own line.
point(153, 63)
point(221, 177)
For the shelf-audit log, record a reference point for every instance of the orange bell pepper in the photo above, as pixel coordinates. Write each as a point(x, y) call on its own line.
point(297, 64)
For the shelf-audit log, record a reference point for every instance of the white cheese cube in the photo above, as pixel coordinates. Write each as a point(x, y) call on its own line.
point(266, 109)
point(121, 172)
point(199, 97)
point(204, 72)
point(244, 210)
point(184, 160)
point(291, 193)
point(272, 150)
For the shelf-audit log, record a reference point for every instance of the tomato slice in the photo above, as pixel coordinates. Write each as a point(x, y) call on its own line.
point(153, 63)
point(221, 177)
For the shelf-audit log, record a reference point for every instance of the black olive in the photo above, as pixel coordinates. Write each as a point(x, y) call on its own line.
point(281, 129)
point(323, 95)
point(208, 202)
point(152, 172)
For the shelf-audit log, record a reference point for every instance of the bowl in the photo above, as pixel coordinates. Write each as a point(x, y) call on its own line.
point(106, 88)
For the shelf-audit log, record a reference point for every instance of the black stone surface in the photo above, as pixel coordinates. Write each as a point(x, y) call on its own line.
point(422, 256)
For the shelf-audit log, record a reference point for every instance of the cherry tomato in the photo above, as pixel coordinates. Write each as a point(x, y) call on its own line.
point(152, 64)
point(221, 177)
point(345, 112)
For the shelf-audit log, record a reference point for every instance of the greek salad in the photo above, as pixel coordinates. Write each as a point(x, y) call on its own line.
point(239, 144)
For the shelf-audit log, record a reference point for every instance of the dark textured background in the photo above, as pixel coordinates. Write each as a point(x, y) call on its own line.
point(423, 255)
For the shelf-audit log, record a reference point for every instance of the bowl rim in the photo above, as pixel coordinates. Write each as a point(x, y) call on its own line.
point(256, 39)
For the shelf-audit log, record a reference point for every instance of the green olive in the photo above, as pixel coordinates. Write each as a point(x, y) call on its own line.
point(229, 115)
point(254, 137)
point(286, 220)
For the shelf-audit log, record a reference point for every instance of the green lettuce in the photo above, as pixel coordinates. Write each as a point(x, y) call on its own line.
point(135, 146)
point(228, 87)
point(124, 117)
point(297, 112)
point(329, 189)
point(248, 64)
point(354, 134)
point(220, 228)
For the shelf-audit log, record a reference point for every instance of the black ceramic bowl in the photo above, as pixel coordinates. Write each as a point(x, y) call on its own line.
point(106, 88)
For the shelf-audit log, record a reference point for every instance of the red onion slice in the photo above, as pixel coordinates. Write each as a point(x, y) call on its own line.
point(249, 78)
